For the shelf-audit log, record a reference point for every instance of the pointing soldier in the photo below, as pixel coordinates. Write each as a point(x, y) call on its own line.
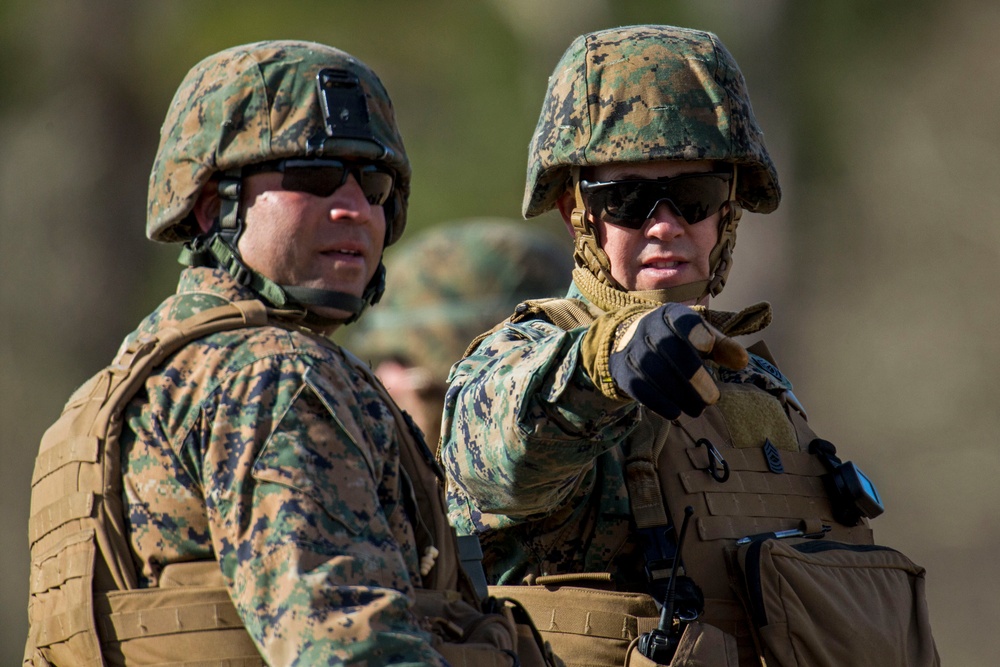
point(576, 436)
point(246, 492)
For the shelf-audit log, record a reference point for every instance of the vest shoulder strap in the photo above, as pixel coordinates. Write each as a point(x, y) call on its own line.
point(77, 532)
point(566, 313)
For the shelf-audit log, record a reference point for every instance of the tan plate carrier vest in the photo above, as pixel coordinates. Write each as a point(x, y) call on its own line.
point(589, 625)
point(85, 607)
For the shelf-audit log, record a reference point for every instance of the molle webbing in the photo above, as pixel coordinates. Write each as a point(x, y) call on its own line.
point(586, 627)
point(646, 499)
point(186, 625)
point(76, 529)
point(756, 498)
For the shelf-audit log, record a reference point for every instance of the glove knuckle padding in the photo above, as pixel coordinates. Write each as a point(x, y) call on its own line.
point(680, 319)
point(666, 392)
point(690, 326)
point(657, 364)
point(679, 352)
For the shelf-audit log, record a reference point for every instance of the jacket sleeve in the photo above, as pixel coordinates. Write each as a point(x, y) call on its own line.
point(303, 491)
point(523, 422)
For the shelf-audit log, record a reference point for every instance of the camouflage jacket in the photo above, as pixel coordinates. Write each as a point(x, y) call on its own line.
point(260, 448)
point(535, 455)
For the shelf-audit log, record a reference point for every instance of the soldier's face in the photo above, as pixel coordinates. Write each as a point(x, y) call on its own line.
point(666, 251)
point(305, 240)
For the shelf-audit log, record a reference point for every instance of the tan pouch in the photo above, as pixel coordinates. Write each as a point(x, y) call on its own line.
point(468, 637)
point(820, 603)
point(585, 627)
point(166, 627)
point(701, 645)
point(473, 655)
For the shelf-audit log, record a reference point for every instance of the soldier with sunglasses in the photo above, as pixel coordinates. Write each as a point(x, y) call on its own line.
point(236, 489)
point(578, 432)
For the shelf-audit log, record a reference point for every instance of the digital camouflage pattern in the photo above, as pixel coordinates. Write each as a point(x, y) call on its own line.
point(254, 103)
point(643, 93)
point(261, 448)
point(535, 455)
point(453, 282)
point(525, 442)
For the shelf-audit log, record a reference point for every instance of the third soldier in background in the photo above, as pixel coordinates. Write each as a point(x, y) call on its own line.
point(445, 287)
point(649, 488)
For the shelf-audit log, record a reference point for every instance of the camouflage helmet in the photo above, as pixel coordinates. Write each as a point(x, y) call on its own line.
point(646, 93)
point(260, 102)
point(455, 281)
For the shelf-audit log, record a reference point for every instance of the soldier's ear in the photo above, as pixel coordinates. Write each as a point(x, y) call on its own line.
point(566, 203)
point(206, 209)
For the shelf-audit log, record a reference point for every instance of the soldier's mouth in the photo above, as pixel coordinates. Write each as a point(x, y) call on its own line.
point(342, 251)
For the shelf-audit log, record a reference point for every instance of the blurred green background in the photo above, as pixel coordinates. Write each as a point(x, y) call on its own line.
point(882, 118)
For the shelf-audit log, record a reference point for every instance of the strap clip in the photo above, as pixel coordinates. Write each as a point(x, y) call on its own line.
point(714, 461)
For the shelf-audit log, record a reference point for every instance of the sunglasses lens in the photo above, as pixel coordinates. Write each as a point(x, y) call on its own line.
point(323, 180)
point(624, 204)
point(319, 181)
point(630, 203)
point(376, 183)
point(697, 198)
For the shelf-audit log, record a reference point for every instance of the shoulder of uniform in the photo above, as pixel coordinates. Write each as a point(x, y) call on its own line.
point(235, 351)
point(762, 360)
point(564, 312)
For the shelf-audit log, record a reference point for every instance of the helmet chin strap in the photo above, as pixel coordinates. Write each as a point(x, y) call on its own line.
point(721, 258)
point(593, 274)
point(219, 248)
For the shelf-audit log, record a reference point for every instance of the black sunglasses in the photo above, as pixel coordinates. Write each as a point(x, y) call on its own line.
point(631, 203)
point(322, 177)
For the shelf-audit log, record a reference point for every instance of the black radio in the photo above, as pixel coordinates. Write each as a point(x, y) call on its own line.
point(852, 493)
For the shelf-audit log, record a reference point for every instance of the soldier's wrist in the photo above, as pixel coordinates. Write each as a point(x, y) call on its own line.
point(608, 333)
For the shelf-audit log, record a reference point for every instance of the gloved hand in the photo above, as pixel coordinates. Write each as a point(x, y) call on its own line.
point(656, 358)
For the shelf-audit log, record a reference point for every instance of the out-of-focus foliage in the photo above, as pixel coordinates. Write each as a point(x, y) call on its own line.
point(880, 262)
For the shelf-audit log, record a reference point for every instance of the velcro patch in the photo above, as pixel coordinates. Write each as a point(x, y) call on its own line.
point(754, 417)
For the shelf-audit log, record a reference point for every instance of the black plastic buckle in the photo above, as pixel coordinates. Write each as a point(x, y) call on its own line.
point(852, 493)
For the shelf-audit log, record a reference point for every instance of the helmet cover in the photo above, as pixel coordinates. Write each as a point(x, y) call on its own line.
point(260, 102)
point(647, 93)
point(452, 283)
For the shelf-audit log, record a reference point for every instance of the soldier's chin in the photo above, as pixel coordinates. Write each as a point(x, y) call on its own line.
point(328, 319)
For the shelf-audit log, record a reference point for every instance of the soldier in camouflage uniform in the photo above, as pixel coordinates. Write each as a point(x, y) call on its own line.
point(265, 461)
point(566, 430)
point(444, 288)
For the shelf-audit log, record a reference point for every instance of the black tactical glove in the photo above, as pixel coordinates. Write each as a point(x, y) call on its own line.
point(656, 358)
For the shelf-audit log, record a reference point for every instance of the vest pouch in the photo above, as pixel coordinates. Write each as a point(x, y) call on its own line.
point(820, 603)
point(701, 645)
point(585, 627)
point(464, 635)
point(189, 620)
